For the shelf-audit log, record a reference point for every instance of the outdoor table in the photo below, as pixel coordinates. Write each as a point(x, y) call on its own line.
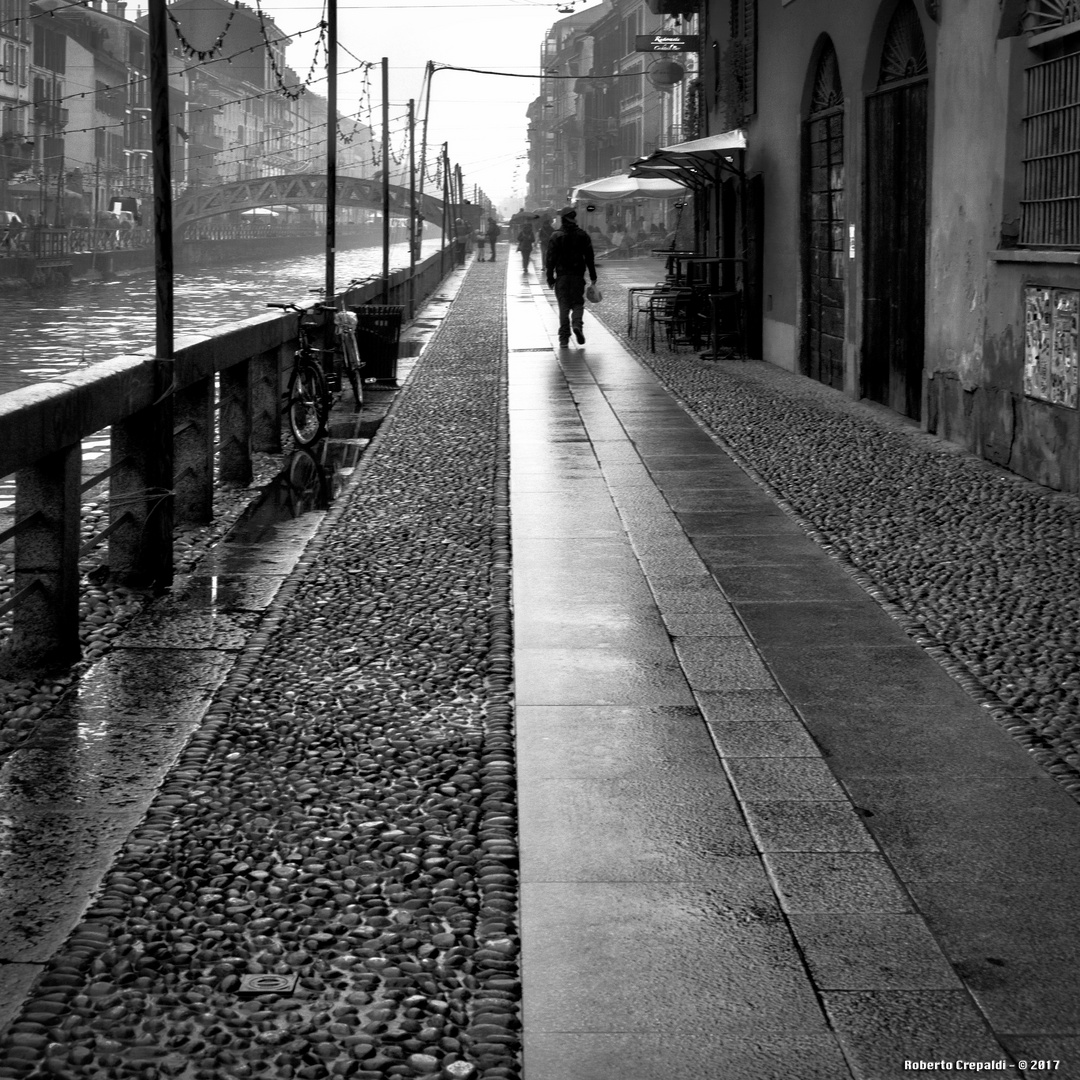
point(671, 256)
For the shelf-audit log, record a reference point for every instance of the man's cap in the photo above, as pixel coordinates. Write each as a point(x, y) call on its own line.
point(568, 212)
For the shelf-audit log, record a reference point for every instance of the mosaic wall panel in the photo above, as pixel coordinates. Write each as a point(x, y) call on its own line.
point(1051, 330)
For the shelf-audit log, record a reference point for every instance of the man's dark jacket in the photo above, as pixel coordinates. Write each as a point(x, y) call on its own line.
point(570, 253)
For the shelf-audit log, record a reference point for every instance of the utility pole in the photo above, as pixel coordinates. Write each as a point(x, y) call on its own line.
point(447, 220)
point(423, 139)
point(331, 163)
point(413, 236)
point(58, 217)
point(162, 159)
point(386, 180)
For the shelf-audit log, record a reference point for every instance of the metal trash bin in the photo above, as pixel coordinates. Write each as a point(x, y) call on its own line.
point(378, 334)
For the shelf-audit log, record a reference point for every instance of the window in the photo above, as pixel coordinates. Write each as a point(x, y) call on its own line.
point(50, 49)
point(14, 21)
point(1050, 206)
point(1050, 16)
point(14, 64)
point(743, 58)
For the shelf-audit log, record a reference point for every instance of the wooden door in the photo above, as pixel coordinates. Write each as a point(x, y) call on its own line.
point(824, 244)
point(895, 224)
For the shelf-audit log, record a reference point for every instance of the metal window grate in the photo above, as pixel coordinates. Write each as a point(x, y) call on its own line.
point(1050, 208)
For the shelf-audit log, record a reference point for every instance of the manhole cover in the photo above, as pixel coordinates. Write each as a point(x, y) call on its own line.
point(267, 984)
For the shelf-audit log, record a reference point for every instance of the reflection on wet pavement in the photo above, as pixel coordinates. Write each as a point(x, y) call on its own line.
point(73, 792)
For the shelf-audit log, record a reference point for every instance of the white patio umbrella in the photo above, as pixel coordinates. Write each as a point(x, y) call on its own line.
point(624, 186)
point(260, 210)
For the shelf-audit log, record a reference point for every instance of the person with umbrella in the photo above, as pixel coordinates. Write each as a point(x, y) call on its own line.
point(544, 235)
point(526, 240)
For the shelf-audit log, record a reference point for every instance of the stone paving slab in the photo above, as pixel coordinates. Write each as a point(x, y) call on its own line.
point(785, 653)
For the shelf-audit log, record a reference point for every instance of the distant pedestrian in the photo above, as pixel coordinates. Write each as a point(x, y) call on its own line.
point(481, 240)
point(544, 235)
point(462, 236)
point(569, 257)
point(526, 240)
point(492, 234)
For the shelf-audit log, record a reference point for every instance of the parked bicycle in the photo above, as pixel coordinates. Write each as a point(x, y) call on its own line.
point(315, 380)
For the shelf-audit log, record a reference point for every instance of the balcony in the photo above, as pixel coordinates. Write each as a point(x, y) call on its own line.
point(49, 115)
point(208, 141)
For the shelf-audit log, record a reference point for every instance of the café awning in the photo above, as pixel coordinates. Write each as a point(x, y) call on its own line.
point(697, 163)
point(623, 186)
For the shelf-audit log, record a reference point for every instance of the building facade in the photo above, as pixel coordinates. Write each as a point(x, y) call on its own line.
point(913, 190)
point(75, 106)
point(603, 101)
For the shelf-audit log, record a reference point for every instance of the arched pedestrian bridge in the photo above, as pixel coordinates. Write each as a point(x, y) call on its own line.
point(297, 190)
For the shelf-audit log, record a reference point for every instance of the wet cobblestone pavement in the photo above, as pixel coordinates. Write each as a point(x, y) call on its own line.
point(344, 813)
point(977, 562)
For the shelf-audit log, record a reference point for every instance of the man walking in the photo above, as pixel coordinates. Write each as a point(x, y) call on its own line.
point(492, 235)
point(569, 255)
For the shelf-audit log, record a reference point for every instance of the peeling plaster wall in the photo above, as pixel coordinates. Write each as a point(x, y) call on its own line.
point(967, 164)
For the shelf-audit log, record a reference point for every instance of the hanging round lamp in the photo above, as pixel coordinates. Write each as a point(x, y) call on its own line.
point(664, 74)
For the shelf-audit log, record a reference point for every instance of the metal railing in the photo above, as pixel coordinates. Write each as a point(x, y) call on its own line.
point(164, 462)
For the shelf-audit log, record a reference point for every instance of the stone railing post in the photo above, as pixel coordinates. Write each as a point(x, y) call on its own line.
point(45, 626)
point(234, 424)
point(141, 490)
point(265, 379)
point(193, 450)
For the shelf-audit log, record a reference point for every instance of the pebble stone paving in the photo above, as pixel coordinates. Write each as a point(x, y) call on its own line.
point(978, 563)
point(345, 814)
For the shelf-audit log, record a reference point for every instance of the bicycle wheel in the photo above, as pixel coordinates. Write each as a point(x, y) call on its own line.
point(308, 402)
point(352, 368)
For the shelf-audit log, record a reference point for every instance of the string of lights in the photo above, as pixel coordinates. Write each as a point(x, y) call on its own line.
point(320, 45)
point(190, 50)
point(189, 112)
point(267, 140)
point(146, 78)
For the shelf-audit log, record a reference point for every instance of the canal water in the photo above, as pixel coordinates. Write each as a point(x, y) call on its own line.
point(48, 332)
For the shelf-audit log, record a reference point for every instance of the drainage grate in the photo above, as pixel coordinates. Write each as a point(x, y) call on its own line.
point(267, 984)
point(539, 348)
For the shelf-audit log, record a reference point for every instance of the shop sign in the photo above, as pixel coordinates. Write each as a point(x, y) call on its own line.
point(667, 42)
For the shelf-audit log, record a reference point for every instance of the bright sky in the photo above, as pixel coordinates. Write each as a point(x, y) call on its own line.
point(482, 117)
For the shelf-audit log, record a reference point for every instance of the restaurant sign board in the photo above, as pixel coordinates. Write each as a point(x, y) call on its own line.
point(667, 42)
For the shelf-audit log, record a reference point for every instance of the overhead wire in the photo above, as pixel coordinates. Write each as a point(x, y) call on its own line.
point(146, 78)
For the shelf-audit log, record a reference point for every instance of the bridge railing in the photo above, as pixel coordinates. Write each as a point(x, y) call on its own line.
point(177, 428)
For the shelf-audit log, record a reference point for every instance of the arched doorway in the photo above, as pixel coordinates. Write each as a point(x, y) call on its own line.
point(895, 231)
point(823, 241)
